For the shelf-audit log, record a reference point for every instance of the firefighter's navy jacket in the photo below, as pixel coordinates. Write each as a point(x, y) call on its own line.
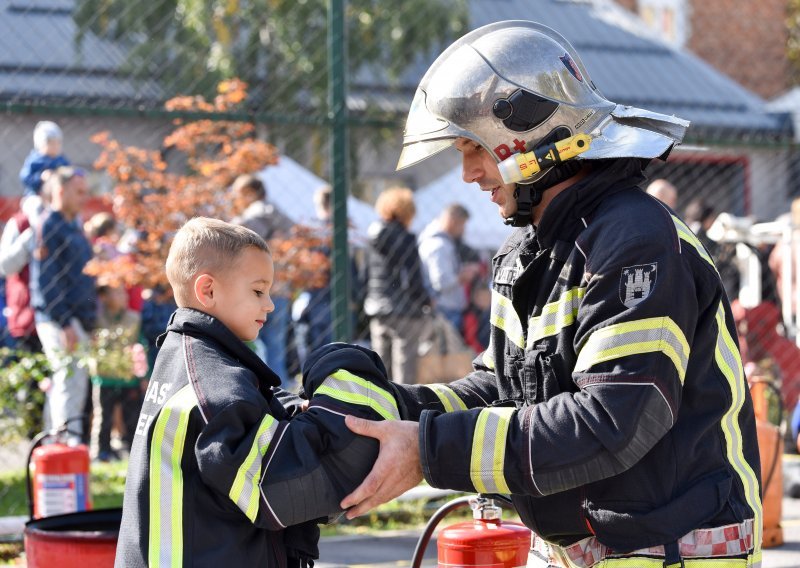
point(611, 400)
point(220, 473)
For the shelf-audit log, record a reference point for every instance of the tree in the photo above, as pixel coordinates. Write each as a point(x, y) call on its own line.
point(279, 47)
point(793, 43)
point(153, 200)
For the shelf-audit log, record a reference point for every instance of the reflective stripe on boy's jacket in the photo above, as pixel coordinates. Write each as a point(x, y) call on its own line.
point(611, 401)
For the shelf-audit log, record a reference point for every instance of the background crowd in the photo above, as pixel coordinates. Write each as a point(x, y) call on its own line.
point(421, 301)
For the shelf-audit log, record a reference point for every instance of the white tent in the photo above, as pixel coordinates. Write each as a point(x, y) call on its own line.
point(291, 188)
point(485, 229)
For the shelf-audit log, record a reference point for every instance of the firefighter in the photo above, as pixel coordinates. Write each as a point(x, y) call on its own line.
point(611, 402)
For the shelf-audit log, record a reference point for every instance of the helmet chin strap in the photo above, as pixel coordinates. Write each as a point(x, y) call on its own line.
point(529, 195)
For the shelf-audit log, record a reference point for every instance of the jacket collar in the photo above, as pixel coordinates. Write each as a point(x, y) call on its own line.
point(568, 210)
point(195, 323)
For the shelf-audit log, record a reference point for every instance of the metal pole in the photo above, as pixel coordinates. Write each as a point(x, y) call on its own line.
point(337, 115)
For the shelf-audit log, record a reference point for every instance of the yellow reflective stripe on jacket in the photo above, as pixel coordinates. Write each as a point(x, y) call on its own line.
point(649, 335)
point(686, 234)
point(489, 450)
point(347, 387)
point(505, 317)
point(448, 397)
point(165, 541)
point(643, 562)
point(555, 316)
point(730, 363)
point(245, 491)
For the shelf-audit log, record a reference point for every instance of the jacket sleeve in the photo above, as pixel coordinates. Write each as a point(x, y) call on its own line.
point(284, 472)
point(15, 248)
point(631, 361)
point(31, 172)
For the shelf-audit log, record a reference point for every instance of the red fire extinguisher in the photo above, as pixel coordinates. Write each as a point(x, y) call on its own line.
point(486, 541)
point(57, 476)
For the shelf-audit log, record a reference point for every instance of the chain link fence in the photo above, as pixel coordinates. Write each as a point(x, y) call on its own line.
point(111, 66)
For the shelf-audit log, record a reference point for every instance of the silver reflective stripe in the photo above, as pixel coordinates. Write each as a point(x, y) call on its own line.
point(245, 489)
point(489, 450)
point(555, 316)
point(649, 335)
point(165, 542)
point(449, 399)
point(347, 387)
point(488, 356)
point(504, 316)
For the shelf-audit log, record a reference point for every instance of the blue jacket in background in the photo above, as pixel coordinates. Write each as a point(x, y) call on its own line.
point(31, 173)
point(59, 288)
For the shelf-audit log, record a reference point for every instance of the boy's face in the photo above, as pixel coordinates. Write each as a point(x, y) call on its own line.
point(241, 296)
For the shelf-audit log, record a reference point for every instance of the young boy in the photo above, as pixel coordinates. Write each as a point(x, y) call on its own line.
point(218, 475)
point(45, 155)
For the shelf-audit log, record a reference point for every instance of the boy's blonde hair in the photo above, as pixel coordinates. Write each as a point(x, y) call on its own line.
point(206, 245)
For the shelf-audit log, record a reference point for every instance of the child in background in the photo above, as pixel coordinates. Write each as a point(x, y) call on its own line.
point(114, 370)
point(45, 155)
point(476, 326)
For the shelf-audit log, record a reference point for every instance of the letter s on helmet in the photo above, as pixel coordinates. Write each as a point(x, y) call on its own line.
point(510, 86)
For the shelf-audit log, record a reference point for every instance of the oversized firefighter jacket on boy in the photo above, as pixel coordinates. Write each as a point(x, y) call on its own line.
point(611, 401)
point(221, 473)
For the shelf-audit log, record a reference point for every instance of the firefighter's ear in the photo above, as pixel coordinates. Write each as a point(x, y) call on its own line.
point(204, 290)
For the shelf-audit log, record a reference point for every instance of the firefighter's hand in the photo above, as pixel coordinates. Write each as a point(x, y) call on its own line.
point(396, 470)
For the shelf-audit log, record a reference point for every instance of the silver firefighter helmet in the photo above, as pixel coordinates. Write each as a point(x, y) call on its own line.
point(511, 86)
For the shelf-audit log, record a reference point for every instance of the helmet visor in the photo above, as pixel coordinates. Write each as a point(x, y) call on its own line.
point(421, 126)
point(417, 151)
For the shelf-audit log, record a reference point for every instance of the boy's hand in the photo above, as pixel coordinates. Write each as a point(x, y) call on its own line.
point(397, 468)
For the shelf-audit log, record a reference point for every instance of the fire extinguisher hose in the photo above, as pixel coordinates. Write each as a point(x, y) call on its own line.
point(442, 512)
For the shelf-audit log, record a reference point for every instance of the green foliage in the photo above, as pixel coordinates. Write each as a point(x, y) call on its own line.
point(21, 374)
point(278, 47)
point(793, 43)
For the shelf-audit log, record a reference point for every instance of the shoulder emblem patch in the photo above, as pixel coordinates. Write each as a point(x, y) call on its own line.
point(636, 283)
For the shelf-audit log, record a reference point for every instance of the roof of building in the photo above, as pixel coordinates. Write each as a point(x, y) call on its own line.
point(41, 61)
point(628, 63)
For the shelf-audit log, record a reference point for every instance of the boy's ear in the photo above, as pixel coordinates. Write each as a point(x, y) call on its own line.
point(204, 290)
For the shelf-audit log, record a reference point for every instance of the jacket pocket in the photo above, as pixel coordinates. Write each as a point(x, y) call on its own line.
point(557, 518)
point(626, 526)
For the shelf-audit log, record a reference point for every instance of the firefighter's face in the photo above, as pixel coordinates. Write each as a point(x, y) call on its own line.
point(479, 166)
point(240, 295)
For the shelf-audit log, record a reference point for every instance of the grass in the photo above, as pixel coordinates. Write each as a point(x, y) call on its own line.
point(107, 486)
